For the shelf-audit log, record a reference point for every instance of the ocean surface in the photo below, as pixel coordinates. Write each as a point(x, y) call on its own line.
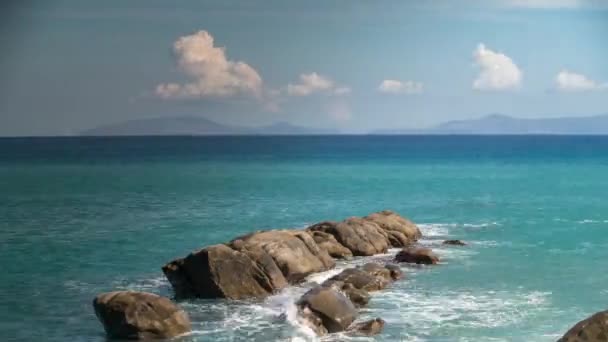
point(79, 216)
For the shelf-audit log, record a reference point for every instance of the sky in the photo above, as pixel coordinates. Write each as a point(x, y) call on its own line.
point(352, 65)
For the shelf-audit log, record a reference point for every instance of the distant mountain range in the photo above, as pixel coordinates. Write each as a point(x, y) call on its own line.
point(497, 124)
point(197, 126)
point(494, 124)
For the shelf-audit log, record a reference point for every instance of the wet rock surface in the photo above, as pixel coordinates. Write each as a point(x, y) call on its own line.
point(140, 316)
point(415, 255)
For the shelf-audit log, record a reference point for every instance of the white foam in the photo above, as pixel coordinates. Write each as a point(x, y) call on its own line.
point(428, 311)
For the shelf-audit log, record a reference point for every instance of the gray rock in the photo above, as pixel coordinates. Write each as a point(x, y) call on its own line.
point(220, 272)
point(330, 307)
point(362, 237)
point(140, 316)
point(417, 256)
point(591, 329)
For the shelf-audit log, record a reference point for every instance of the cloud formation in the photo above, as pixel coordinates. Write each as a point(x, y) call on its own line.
point(314, 83)
point(573, 82)
point(497, 70)
point(212, 74)
point(398, 87)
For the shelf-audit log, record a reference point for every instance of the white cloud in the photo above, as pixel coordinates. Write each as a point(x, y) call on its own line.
point(211, 72)
point(497, 70)
point(314, 83)
point(398, 87)
point(573, 82)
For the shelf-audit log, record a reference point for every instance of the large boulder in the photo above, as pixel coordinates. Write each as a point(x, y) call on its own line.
point(417, 256)
point(369, 277)
point(591, 329)
point(295, 252)
point(329, 243)
point(391, 221)
point(140, 316)
point(221, 272)
point(359, 297)
point(362, 237)
point(327, 310)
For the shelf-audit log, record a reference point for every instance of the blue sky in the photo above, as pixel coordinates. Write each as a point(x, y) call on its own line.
point(353, 65)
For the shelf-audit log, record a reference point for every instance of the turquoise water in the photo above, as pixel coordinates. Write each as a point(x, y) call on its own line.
point(80, 216)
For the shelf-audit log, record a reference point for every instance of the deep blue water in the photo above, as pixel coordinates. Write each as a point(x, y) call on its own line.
point(83, 215)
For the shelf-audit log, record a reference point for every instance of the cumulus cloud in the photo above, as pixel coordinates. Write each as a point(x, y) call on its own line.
point(399, 87)
point(314, 83)
point(497, 70)
point(210, 71)
point(573, 82)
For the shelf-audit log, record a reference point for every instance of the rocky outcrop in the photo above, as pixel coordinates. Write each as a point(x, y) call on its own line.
point(367, 328)
point(329, 243)
point(369, 277)
point(295, 252)
point(221, 272)
point(326, 310)
point(261, 263)
point(394, 223)
point(417, 256)
point(454, 243)
point(362, 237)
point(591, 329)
point(140, 316)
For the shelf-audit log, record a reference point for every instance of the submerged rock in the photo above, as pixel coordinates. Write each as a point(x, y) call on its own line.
point(295, 252)
point(329, 243)
point(362, 237)
point(417, 256)
point(221, 272)
point(140, 316)
point(326, 310)
point(454, 243)
point(591, 329)
point(367, 328)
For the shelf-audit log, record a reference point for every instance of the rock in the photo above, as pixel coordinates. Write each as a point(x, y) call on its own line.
point(369, 277)
point(592, 329)
point(377, 270)
point(391, 221)
point(417, 256)
point(395, 270)
point(295, 252)
point(454, 243)
point(397, 239)
point(329, 243)
point(359, 297)
point(331, 308)
point(220, 272)
point(368, 328)
point(140, 316)
point(362, 237)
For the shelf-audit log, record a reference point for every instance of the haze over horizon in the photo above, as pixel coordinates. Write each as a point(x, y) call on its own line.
point(352, 66)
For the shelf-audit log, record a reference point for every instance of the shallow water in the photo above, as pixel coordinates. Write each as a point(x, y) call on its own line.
point(81, 216)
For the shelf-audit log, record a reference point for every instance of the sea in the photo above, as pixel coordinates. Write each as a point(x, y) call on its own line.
point(80, 216)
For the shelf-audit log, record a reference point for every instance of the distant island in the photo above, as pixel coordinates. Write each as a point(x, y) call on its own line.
point(495, 124)
point(198, 126)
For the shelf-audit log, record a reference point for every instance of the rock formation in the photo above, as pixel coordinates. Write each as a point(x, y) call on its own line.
point(140, 316)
